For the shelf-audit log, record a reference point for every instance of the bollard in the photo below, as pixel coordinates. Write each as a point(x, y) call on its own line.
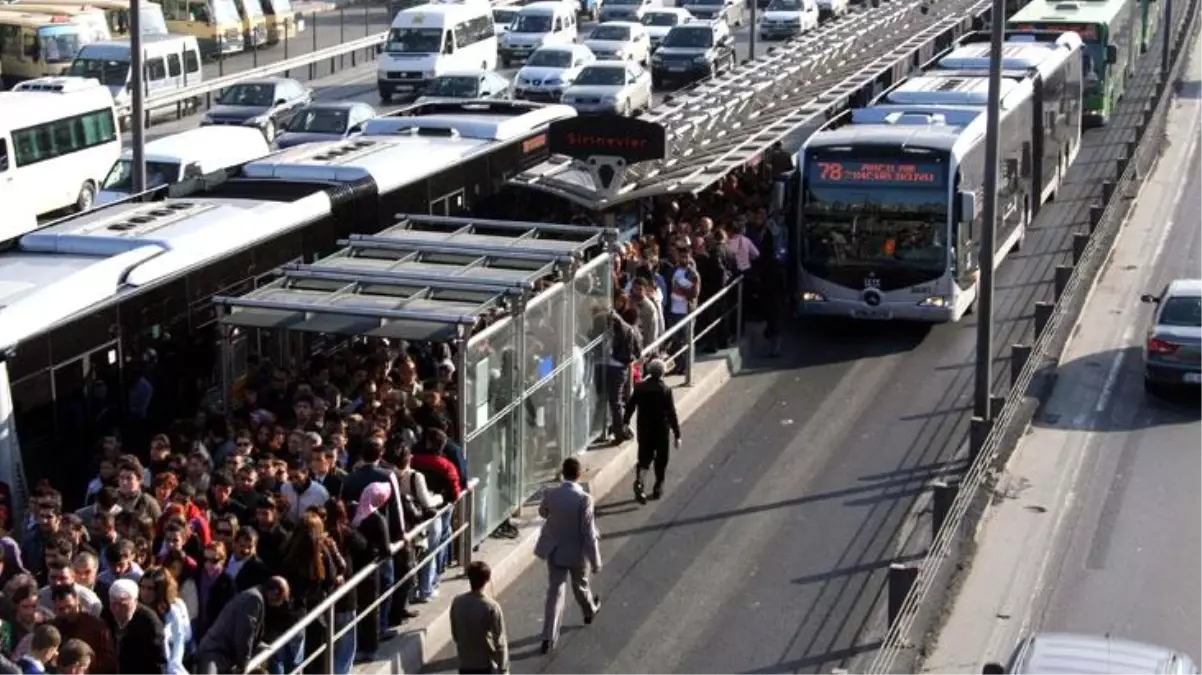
point(1043, 314)
point(1120, 165)
point(1147, 117)
point(901, 580)
point(978, 431)
point(943, 493)
point(1019, 355)
point(1080, 242)
point(1095, 217)
point(1107, 191)
point(1129, 153)
point(1063, 274)
point(996, 403)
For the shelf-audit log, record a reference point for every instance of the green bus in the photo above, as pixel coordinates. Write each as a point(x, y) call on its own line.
point(1112, 31)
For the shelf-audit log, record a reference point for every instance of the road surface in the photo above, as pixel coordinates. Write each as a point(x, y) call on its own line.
point(784, 506)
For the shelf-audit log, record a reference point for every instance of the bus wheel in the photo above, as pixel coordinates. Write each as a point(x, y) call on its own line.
point(86, 198)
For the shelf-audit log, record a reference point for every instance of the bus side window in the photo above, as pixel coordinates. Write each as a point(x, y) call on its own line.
point(155, 69)
point(3, 155)
point(199, 12)
point(191, 61)
point(175, 10)
point(448, 43)
point(33, 49)
point(173, 65)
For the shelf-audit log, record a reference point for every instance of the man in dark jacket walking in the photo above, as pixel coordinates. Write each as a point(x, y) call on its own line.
point(234, 636)
point(653, 400)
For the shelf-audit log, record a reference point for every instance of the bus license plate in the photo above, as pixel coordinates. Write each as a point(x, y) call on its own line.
point(300, 25)
point(676, 69)
point(1193, 378)
point(874, 314)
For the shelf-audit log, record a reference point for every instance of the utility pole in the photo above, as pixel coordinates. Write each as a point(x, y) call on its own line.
point(1165, 45)
point(984, 375)
point(137, 120)
point(751, 35)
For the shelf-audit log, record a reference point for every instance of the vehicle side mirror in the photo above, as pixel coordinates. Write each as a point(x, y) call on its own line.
point(992, 668)
point(1150, 299)
point(776, 203)
point(968, 205)
point(1112, 54)
point(281, 101)
point(379, 49)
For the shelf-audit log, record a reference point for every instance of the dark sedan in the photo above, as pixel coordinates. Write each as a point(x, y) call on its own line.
point(1173, 350)
point(267, 104)
point(324, 121)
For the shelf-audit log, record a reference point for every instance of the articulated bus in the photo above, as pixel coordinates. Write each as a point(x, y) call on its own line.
point(84, 298)
point(92, 16)
point(116, 14)
point(282, 20)
point(254, 23)
point(216, 24)
point(1111, 30)
point(890, 196)
point(34, 44)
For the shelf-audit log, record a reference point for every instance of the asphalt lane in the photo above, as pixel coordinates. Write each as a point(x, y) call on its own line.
point(795, 487)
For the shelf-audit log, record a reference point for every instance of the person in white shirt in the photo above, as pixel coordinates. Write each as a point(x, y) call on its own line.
point(412, 484)
point(302, 492)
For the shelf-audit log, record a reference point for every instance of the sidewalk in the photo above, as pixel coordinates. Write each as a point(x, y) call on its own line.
point(1018, 537)
point(604, 469)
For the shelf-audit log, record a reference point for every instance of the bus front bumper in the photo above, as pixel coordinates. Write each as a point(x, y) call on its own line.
point(885, 311)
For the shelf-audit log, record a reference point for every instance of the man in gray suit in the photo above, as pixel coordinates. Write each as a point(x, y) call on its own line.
point(568, 542)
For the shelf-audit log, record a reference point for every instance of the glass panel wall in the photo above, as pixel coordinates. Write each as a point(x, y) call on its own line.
point(492, 401)
point(592, 298)
point(547, 361)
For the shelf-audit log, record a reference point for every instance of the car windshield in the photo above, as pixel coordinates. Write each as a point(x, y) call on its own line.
point(690, 37)
point(454, 86)
point(320, 121)
point(700, 3)
point(550, 58)
point(1181, 311)
point(414, 41)
point(504, 16)
point(111, 73)
point(532, 23)
point(623, 2)
point(602, 75)
point(253, 95)
point(610, 33)
point(659, 19)
point(120, 178)
point(60, 44)
point(784, 6)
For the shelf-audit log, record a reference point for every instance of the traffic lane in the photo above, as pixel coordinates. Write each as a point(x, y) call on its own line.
point(1131, 564)
point(322, 30)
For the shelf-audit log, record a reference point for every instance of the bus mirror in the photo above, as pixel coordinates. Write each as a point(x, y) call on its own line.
point(777, 201)
point(379, 49)
point(968, 205)
point(1112, 54)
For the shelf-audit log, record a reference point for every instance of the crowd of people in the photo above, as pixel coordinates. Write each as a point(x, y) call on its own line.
point(198, 541)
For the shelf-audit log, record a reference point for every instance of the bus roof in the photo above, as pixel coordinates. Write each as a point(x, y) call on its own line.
point(70, 9)
point(1069, 12)
point(1017, 54)
point(101, 256)
point(14, 16)
point(19, 109)
point(212, 142)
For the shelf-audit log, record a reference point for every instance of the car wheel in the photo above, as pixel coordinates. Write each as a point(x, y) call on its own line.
point(385, 97)
point(269, 131)
point(1152, 387)
point(87, 196)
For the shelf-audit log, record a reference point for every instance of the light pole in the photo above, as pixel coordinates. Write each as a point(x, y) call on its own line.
point(984, 374)
point(137, 112)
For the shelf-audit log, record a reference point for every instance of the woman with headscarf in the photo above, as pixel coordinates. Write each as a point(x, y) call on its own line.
point(369, 521)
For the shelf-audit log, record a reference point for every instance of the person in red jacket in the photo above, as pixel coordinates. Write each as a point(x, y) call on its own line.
point(441, 477)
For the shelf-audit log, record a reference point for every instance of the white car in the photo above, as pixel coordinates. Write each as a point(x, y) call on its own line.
point(788, 18)
point(549, 71)
point(466, 84)
point(659, 21)
point(621, 87)
point(620, 40)
point(502, 17)
point(828, 9)
point(626, 10)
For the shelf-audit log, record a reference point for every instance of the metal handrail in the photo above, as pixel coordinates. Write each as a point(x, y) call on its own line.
point(735, 286)
point(325, 609)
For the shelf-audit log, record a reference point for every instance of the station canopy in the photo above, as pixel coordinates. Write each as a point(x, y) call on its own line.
point(695, 138)
point(426, 278)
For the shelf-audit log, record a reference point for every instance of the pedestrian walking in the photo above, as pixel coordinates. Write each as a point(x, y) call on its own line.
point(568, 542)
point(478, 625)
point(653, 399)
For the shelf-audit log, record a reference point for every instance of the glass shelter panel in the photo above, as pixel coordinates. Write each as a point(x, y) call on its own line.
point(492, 406)
point(592, 298)
point(548, 371)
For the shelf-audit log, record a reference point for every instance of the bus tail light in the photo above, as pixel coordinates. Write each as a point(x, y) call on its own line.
point(1160, 347)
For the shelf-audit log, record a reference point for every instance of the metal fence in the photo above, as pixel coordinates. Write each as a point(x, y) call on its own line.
point(918, 594)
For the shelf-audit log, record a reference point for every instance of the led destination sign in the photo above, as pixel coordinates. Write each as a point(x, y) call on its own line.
point(1087, 32)
point(882, 173)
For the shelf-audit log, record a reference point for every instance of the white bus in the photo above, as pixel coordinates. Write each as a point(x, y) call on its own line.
point(428, 40)
point(57, 142)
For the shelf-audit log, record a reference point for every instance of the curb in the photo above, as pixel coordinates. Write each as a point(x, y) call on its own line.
point(604, 470)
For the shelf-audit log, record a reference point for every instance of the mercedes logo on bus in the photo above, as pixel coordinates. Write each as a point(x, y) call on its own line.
point(872, 297)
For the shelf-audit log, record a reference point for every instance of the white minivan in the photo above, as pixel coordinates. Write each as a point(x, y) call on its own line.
point(428, 40)
point(172, 63)
point(188, 154)
point(538, 24)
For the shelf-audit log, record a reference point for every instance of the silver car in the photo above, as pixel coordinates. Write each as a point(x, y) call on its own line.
point(621, 87)
point(1071, 653)
point(324, 121)
point(1171, 353)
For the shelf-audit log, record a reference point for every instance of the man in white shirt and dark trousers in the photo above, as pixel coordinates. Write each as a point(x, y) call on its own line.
point(684, 289)
point(568, 542)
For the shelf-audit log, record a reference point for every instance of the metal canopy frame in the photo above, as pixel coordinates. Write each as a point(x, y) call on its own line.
point(728, 121)
point(517, 237)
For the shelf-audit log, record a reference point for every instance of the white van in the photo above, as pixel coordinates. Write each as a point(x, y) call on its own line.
point(172, 63)
point(538, 24)
point(191, 153)
point(58, 135)
point(428, 40)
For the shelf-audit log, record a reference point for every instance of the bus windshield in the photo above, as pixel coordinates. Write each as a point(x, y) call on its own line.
point(225, 12)
point(277, 7)
point(253, 9)
point(414, 41)
point(60, 43)
point(875, 240)
point(110, 73)
point(120, 178)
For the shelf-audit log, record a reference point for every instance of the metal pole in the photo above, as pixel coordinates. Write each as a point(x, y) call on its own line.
point(984, 379)
point(137, 120)
point(751, 34)
point(327, 657)
point(1166, 41)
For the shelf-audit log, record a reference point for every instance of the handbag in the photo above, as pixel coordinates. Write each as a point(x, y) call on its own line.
point(415, 512)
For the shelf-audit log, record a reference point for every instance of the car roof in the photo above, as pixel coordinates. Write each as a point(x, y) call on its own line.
point(337, 105)
point(571, 48)
point(266, 80)
point(616, 65)
point(628, 24)
point(462, 72)
point(1186, 287)
point(667, 10)
point(1074, 653)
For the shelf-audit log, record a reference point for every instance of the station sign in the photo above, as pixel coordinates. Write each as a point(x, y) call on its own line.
point(629, 138)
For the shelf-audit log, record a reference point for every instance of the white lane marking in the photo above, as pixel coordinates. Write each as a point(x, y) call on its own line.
point(1112, 375)
point(1168, 230)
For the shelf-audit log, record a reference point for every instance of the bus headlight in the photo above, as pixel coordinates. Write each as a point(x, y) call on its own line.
point(933, 301)
point(811, 296)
